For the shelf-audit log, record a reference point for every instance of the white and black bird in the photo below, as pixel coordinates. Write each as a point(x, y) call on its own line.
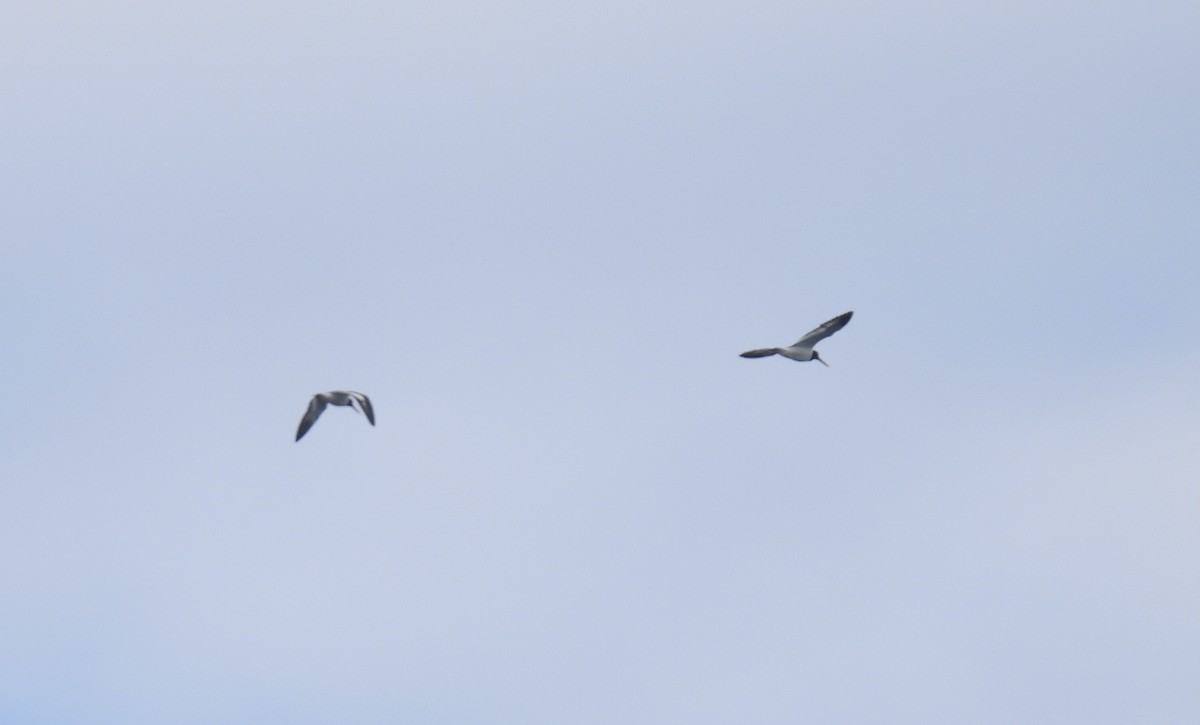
point(334, 397)
point(803, 350)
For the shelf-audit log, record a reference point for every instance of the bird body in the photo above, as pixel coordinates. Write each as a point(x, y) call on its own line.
point(356, 401)
point(803, 350)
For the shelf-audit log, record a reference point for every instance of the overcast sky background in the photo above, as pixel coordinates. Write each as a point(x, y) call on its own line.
point(538, 235)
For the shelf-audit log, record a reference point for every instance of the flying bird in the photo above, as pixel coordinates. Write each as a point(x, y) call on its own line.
point(334, 397)
point(803, 350)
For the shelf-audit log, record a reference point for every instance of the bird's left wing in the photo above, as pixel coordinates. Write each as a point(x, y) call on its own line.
point(310, 416)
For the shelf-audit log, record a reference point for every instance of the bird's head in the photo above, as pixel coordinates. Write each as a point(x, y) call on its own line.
point(818, 359)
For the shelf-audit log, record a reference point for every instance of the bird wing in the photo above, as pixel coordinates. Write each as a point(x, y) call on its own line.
point(365, 403)
point(765, 352)
point(315, 406)
point(824, 331)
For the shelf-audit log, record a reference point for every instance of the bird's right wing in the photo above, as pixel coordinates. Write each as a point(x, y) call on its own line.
point(365, 403)
point(310, 416)
point(824, 331)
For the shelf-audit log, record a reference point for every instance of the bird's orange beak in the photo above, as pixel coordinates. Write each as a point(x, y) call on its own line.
point(822, 361)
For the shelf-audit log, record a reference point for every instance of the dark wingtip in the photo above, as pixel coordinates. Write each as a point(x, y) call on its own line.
point(840, 321)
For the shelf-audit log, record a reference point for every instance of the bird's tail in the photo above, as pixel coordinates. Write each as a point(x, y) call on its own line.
point(765, 352)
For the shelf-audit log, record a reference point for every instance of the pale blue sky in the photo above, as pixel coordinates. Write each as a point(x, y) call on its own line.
point(538, 235)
